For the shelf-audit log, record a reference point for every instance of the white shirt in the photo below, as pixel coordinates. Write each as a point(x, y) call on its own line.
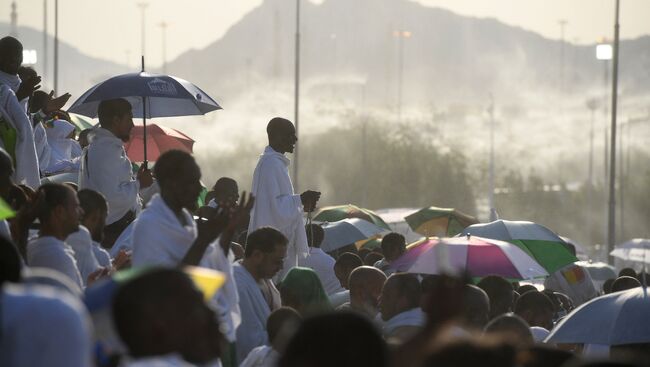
point(50, 252)
point(277, 206)
point(323, 265)
point(105, 168)
point(43, 149)
point(42, 326)
point(264, 356)
point(14, 112)
point(82, 246)
point(160, 239)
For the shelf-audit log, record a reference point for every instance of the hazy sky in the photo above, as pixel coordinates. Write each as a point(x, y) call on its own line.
point(111, 29)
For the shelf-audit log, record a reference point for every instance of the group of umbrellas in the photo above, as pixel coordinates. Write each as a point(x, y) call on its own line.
point(456, 243)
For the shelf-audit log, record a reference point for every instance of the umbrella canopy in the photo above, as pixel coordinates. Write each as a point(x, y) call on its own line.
point(164, 96)
point(637, 250)
point(347, 231)
point(159, 140)
point(434, 221)
point(339, 212)
point(541, 243)
point(150, 95)
point(478, 257)
point(613, 319)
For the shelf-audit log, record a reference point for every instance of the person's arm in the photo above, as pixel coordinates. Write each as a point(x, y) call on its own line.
point(286, 208)
point(251, 332)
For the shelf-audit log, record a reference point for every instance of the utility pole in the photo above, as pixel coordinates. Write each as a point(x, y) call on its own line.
point(45, 63)
point(56, 47)
point(163, 25)
point(401, 35)
point(14, 20)
point(490, 111)
point(611, 223)
point(563, 24)
point(143, 8)
point(296, 96)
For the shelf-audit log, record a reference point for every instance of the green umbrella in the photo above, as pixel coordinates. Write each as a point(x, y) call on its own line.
point(340, 212)
point(81, 122)
point(541, 243)
point(442, 222)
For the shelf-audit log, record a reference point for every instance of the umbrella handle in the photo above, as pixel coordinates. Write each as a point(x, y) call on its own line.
point(144, 126)
point(311, 230)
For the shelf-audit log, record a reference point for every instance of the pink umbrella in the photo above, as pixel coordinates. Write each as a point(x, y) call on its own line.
point(477, 256)
point(159, 140)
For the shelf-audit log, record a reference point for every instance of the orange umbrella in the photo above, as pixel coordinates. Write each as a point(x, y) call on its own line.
point(159, 140)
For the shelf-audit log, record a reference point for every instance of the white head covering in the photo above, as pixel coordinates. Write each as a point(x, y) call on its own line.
point(57, 137)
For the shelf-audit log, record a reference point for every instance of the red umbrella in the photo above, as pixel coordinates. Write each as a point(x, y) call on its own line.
point(159, 140)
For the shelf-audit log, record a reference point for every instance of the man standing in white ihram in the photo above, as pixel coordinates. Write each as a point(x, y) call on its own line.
point(276, 205)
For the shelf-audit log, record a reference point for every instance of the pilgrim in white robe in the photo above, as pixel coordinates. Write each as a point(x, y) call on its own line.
point(159, 239)
point(50, 252)
point(81, 243)
point(106, 169)
point(277, 206)
point(124, 241)
point(43, 326)
point(64, 151)
point(15, 114)
point(404, 325)
point(255, 310)
point(323, 265)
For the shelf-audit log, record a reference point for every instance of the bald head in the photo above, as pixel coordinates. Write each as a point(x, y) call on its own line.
point(11, 55)
point(476, 307)
point(281, 134)
point(365, 285)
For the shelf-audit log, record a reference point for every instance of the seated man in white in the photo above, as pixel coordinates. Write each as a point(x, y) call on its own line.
point(258, 297)
point(58, 210)
point(400, 307)
point(165, 233)
point(319, 261)
point(64, 150)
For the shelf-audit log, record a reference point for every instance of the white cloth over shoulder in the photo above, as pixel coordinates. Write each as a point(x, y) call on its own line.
point(125, 240)
point(323, 265)
point(254, 312)
point(65, 152)
point(277, 206)
point(106, 169)
point(159, 239)
point(264, 356)
point(82, 245)
point(43, 150)
point(50, 252)
point(14, 112)
point(42, 326)
point(412, 317)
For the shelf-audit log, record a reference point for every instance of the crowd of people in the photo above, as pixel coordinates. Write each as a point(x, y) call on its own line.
point(126, 238)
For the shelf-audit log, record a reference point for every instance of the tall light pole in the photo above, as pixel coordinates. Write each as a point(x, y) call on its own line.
point(296, 96)
point(143, 8)
point(14, 20)
point(45, 64)
point(401, 35)
point(604, 52)
point(56, 47)
point(592, 104)
point(562, 23)
point(611, 223)
point(163, 25)
point(493, 213)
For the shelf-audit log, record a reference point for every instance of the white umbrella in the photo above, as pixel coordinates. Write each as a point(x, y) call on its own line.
point(637, 250)
point(347, 231)
point(614, 319)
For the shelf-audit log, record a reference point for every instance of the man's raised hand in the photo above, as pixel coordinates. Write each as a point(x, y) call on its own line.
point(55, 104)
point(28, 87)
point(309, 199)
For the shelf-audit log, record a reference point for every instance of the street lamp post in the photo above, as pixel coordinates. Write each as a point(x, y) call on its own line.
point(493, 213)
point(56, 47)
point(401, 35)
point(611, 223)
point(296, 96)
point(143, 7)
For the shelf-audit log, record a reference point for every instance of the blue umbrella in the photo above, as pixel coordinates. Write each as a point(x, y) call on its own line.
point(150, 95)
